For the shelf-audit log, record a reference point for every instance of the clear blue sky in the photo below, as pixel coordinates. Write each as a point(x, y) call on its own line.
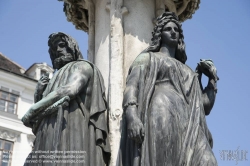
point(219, 30)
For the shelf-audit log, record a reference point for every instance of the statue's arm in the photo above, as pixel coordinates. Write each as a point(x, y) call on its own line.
point(40, 87)
point(37, 97)
point(207, 68)
point(77, 81)
point(132, 83)
point(130, 101)
point(209, 95)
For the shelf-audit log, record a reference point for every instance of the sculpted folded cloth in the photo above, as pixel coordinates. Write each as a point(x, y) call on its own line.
point(84, 127)
point(165, 104)
point(172, 113)
point(69, 113)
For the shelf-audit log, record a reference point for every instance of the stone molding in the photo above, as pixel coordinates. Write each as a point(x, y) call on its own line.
point(9, 135)
point(77, 11)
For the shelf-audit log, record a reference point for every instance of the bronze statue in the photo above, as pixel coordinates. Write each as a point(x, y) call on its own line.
point(69, 113)
point(165, 104)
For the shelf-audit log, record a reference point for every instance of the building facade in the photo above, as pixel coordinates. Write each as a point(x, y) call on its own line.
point(17, 87)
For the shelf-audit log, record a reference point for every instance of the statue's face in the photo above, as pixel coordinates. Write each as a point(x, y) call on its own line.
point(170, 34)
point(61, 53)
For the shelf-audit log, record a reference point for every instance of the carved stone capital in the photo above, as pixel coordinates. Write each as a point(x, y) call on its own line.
point(76, 12)
point(183, 8)
point(189, 10)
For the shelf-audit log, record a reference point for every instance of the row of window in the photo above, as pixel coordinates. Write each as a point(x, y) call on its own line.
point(8, 103)
point(6, 149)
point(8, 100)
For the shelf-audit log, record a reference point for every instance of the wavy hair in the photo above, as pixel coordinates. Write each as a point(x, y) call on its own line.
point(70, 42)
point(162, 20)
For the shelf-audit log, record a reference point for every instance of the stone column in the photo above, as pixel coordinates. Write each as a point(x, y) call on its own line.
point(118, 31)
point(116, 82)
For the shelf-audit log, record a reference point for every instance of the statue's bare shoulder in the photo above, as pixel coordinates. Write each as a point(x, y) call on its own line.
point(141, 60)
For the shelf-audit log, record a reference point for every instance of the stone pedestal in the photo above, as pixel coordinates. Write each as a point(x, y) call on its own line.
point(118, 31)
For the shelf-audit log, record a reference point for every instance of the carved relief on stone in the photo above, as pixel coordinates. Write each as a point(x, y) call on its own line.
point(183, 8)
point(8, 135)
point(77, 13)
point(189, 10)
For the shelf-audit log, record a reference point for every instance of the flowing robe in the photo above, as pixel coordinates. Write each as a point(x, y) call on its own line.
point(169, 103)
point(84, 127)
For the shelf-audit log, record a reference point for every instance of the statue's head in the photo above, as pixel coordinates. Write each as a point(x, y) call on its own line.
point(63, 49)
point(165, 21)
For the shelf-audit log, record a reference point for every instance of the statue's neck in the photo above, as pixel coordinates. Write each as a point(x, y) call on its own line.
point(169, 51)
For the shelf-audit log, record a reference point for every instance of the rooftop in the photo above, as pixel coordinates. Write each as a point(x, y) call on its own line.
point(32, 73)
point(7, 64)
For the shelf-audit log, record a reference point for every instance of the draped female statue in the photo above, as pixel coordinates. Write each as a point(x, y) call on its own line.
point(165, 104)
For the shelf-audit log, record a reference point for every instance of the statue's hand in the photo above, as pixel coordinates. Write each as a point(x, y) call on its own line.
point(207, 67)
point(26, 120)
point(135, 129)
point(42, 83)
